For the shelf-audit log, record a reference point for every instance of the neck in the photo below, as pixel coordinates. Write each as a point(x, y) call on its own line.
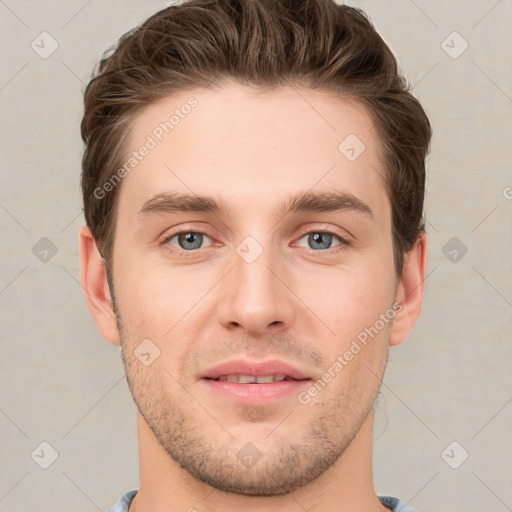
point(347, 485)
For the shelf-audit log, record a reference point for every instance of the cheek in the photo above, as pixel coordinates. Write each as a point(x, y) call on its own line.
point(349, 300)
point(157, 301)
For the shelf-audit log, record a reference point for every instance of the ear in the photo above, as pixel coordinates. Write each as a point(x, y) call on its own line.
point(410, 291)
point(93, 277)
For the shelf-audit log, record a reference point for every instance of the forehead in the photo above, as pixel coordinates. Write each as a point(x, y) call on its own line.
point(251, 147)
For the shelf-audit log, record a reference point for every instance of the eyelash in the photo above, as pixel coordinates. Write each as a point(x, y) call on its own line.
point(343, 242)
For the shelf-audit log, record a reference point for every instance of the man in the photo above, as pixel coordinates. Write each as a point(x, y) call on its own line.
point(253, 185)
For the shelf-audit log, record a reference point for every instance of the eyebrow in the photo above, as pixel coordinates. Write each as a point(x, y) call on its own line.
point(303, 202)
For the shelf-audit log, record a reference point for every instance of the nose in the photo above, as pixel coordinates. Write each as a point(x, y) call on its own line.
point(257, 296)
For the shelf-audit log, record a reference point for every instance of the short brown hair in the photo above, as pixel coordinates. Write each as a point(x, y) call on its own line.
point(261, 43)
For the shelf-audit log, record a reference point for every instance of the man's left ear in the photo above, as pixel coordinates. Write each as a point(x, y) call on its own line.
point(410, 291)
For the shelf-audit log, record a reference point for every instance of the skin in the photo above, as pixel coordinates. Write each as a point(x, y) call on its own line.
point(298, 301)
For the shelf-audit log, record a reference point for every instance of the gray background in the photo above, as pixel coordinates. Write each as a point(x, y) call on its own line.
point(451, 381)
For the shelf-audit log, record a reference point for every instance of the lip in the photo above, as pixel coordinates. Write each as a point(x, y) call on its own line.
point(256, 368)
point(255, 393)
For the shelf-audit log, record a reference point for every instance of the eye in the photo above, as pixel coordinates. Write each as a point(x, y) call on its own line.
point(321, 240)
point(187, 240)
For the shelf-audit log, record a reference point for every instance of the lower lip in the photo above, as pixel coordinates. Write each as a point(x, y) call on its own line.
point(256, 394)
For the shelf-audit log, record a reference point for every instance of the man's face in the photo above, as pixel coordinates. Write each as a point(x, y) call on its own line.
point(250, 284)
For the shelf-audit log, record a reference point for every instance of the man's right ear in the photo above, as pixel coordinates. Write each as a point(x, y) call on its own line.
point(93, 277)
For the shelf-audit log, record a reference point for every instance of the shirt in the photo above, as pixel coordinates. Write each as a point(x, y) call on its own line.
point(124, 501)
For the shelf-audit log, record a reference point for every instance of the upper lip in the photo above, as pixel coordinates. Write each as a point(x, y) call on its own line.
point(255, 368)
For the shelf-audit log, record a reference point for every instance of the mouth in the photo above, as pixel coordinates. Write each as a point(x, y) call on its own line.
point(254, 383)
point(248, 371)
point(253, 379)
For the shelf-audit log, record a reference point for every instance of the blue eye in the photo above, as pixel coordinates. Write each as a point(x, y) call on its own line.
point(321, 239)
point(188, 240)
point(316, 240)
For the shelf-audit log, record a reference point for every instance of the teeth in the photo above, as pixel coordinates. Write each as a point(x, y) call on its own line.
point(251, 379)
point(263, 379)
point(243, 379)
